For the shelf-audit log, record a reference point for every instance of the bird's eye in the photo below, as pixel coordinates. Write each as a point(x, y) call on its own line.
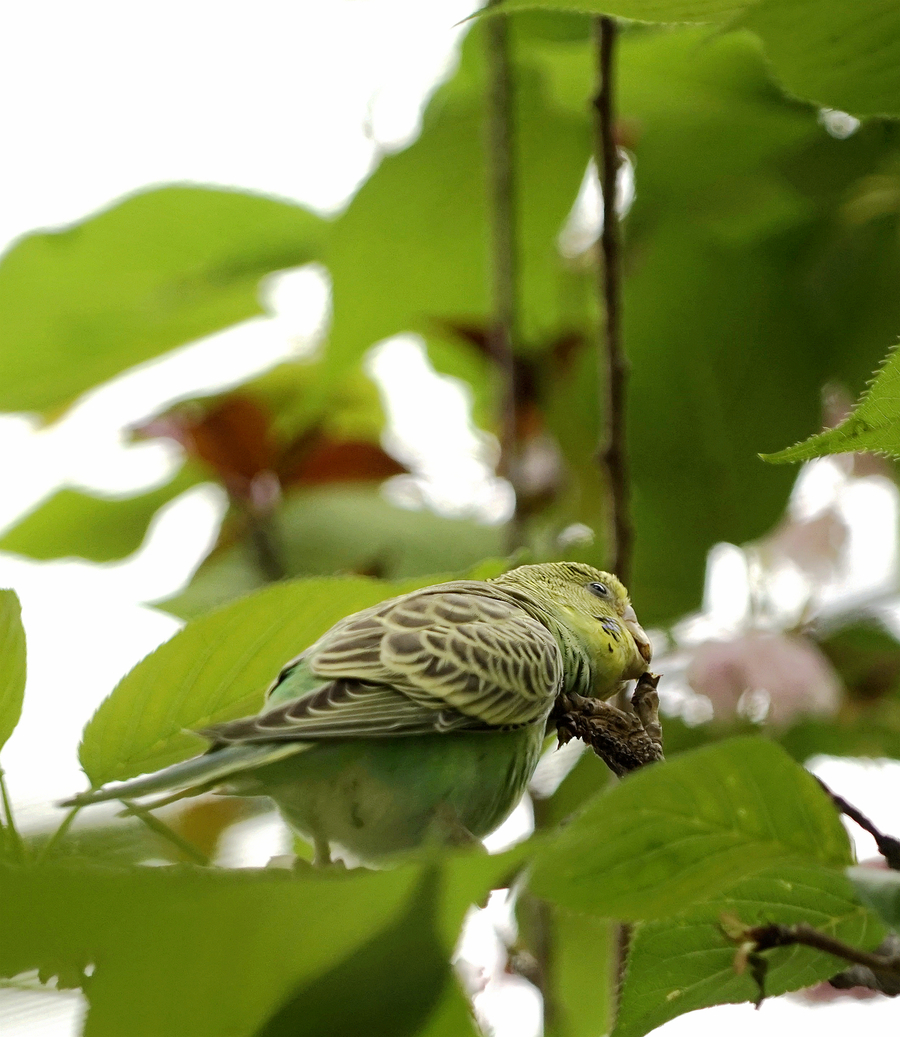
point(600, 589)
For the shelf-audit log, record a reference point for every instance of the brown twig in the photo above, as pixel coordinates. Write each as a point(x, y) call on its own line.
point(888, 846)
point(614, 366)
point(500, 132)
point(882, 966)
point(858, 975)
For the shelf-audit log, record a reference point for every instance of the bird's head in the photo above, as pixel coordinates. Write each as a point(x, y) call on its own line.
point(592, 604)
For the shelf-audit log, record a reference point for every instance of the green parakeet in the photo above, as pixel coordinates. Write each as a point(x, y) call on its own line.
point(421, 718)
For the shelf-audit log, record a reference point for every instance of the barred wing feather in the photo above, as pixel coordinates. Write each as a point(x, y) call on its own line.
point(458, 645)
point(452, 657)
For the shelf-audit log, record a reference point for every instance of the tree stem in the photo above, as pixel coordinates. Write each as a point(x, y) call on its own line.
point(12, 833)
point(612, 454)
point(614, 366)
point(502, 213)
point(163, 830)
point(58, 835)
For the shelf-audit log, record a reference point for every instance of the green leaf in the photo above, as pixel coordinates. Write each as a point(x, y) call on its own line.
point(572, 958)
point(841, 55)
point(344, 529)
point(388, 987)
point(160, 268)
point(183, 951)
point(452, 1016)
point(216, 953)
point(412, 250)
point(684, 830)
point(679, 964)
point(869, 733)
point(880, 890)
point(213, 953)
point(12, 663)
point(638, 10)
point(216, 669)
point(873, 425)
point(724, 275)
point(101, 529)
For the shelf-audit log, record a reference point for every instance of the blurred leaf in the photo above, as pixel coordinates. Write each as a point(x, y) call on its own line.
point(701, 303)
point(452, 1016)
point(183, 952)
point(412, 248)
point(873, 425)
point(160, 268)
point(683, 963)
point(101, 529)
point(12, 663)
point(880, 890)
point(673, 834)
point(581, 974)
point(216, 669)
point(867, 658)
point(588, 777)
point(638, 10)
point(212, 953)
point(289, 392)
point(321, 460)
point(844, 56)
point(347, 529)
point(388, 987)
point(869, 734)
point(230, 435)
point(265, 430)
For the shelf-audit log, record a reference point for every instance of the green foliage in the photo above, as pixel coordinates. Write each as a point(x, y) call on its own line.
point(880, 890)
point(639, 10)
point(350, 529)
point(844, 56)
point(761, 258)
point(101, 529)
point(839, 55)
point(12, 663)
point(153, 271)
point(668, 836)
point(873, 425)
point(206, 953)
point(679, 964)
point(429, 203)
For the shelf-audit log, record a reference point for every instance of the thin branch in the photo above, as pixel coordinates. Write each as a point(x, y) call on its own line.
point(163, 830)
point(883, 963)
point(768, 936)
point(614, 366)
point(862, 976)
point(500, 145)
point(888, 846)
point(12, 833)
point(58, 835)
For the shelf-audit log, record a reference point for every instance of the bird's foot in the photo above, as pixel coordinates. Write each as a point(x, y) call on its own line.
point(624, 740)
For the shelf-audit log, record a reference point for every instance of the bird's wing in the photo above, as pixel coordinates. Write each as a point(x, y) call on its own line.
point(437, 660)
point(457, 647)
point(343, 709)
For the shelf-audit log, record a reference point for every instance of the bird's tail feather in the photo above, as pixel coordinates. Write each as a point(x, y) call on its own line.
point(202, 771)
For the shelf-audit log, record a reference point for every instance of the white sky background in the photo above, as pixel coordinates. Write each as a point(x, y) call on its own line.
point(100, 99)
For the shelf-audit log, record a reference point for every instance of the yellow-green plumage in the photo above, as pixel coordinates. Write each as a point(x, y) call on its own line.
point(423, 717)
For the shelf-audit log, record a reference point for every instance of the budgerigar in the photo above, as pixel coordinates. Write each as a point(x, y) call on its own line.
point(422, 718)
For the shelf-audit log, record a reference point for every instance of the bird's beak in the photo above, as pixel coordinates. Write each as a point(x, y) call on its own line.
point(637, 632)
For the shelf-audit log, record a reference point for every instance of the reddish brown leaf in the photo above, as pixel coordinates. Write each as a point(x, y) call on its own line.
point(233, 437)
point(321, 460)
